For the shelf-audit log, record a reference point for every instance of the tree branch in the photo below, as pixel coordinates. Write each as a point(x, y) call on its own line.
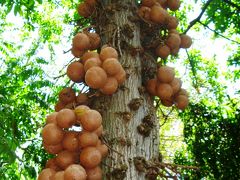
point(206, 26)
point(196, 20)
point(232, 4)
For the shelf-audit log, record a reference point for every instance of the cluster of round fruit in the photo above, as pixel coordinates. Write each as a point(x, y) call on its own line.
point(86, 8)
point(155, 11)
point(67, 98)
point(84, 41)
point(99, 71)
point(168, 88)
point(78, 153)
point(172, 44)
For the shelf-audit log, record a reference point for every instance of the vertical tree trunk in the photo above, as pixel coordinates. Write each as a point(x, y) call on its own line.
point(129, 115)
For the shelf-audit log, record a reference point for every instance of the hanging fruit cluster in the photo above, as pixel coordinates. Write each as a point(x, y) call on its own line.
point(67, 98)
point(168, 88)
point(155, 11)
point(86, 8)
point(77, 153)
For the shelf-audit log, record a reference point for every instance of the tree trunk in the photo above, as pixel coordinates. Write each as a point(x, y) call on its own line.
point(129, 117)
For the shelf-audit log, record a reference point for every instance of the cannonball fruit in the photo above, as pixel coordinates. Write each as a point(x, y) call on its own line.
point(75, 172)
point(91, 120)
point(165, 74)
point(152, 86)
point(144, 12)
point(81, 41)
point(52, 134)
point(46, 174)
point(168, 88)
point(108, 52)
point(94, 173)
point(110, 86)
point(95, 77)
point(66, 118)
point(111, 66)
point(67, 95)
point(58, 176)
point(90, 157)
point(75, 72)
point(186, 41)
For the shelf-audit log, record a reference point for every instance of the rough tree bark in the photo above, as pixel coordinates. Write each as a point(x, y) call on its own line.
point(129, 117)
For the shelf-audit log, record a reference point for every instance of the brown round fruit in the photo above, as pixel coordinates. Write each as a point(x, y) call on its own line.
point(176, 85)
point(181, 102)
point(70, 141)
point(59, 106)
point(91, 62)
point(95, 77)
point(53, 149)
point(81, 41)
point(52, 134)
point(82, 98)
point(110, 87)
point(66, 118)
point(95, 40)
point(91, 3)
point(164, 91)
point(80, 110)
point(94, 174)
point(163, 51)
point(173, 41)
point(121, 76)
point(104, 46)
point(99, 131)
point(46, 174)
point(103, 149)
point(163, 3)
point(158, 14)
point(148, 3)
point(67, 95)
point(186, 41)
point(182, 92)
point(91, 120)
point(84, 10)
point(173, 5)
point(75, 71)
point(86, 139)
point(65, 158)
point(171, 22)
point(167, 102)
point(152, 86)
point(77, 52)
point(144, 12)
point(165, 74)
point(58, 176)
point(111, 66)
point(75, 172)
point(88, 55)
point(51, 118)
point(108, 52)
point(173, 31)
point(51, 163)
point(90, 157)
point(175, 51)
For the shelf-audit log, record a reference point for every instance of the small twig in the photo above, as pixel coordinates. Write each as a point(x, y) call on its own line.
point(193, 22)
point(206, 26)
point(65, 52)
point(59, 76)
